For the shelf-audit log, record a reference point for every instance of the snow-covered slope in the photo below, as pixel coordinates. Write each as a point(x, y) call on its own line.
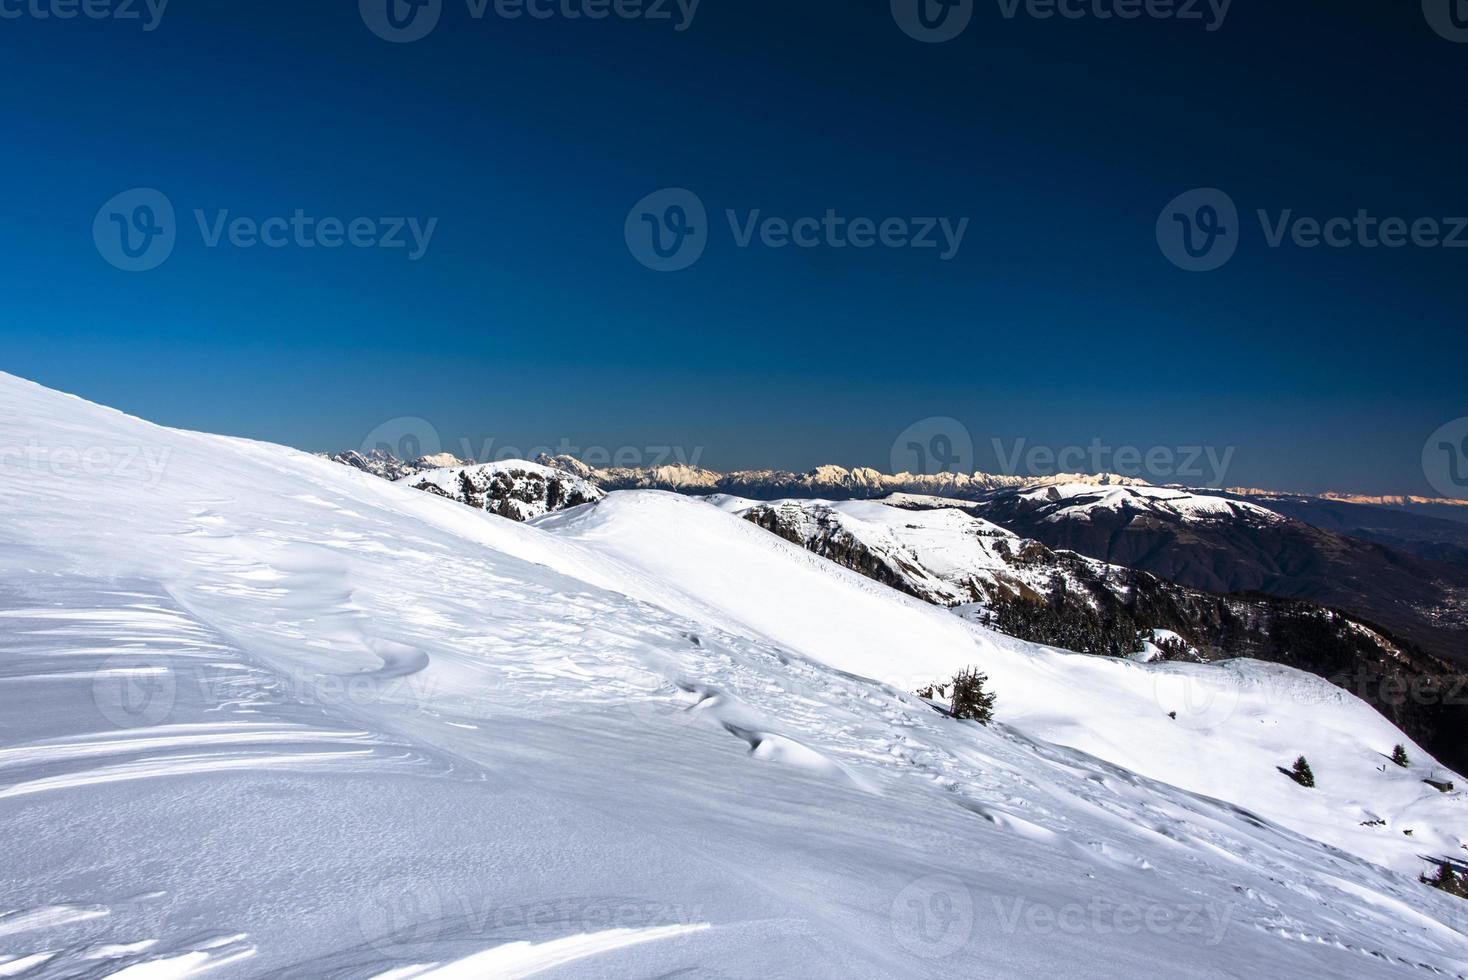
point(1236, 720)
point(942, 555)
point(1080, 500)
point(1018, 586)
point(513, 488)
point(273, 716)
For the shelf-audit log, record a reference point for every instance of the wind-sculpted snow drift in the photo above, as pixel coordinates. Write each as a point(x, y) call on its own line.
point(271, 716)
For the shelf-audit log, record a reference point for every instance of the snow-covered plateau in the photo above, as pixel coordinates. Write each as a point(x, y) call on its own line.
point(266, 715)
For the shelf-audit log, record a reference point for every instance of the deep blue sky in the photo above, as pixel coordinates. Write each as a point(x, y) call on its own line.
point(528, 321)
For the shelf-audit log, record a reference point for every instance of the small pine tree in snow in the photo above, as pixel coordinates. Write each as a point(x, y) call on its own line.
point(1399, 756)
point(970, 700)
point(1448, 880)
point(1302, 774)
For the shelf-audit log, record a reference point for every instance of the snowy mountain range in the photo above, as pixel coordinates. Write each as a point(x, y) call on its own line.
point(1228, 545)
point(271, 716)
point(829, 482)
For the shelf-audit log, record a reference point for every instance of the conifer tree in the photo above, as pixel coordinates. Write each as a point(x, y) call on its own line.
point(970, 700)
point(1448, 880)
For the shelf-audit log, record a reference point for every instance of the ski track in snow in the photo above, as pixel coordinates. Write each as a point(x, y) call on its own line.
point(277, 718)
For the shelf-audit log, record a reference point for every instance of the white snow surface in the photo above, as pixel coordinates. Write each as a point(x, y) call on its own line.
point(268, 716)
point(944, 554)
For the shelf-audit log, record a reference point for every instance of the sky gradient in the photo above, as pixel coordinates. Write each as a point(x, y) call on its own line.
point(529, 322)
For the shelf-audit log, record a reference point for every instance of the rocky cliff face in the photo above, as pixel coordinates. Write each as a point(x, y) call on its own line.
point(515, 489)
point(1227, 545)
point(389, 467)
